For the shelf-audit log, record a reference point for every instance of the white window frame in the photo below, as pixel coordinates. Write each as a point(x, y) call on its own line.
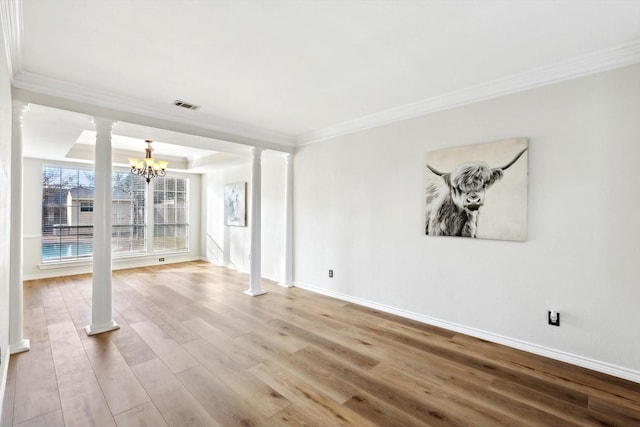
point(149, 225)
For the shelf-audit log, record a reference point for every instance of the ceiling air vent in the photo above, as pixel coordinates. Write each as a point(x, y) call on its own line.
point(186, 105)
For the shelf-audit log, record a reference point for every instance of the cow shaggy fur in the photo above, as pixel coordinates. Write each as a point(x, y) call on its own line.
point(453, 206)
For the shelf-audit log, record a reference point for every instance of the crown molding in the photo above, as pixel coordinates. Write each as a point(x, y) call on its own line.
point(11, 19)
point(591, 63)
point(595, 62)
point(228, 130)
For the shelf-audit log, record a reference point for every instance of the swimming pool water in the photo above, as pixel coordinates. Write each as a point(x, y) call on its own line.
point(66, 250)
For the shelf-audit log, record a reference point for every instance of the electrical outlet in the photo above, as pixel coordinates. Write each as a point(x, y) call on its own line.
point(330, 273)
point(553, 317)
point(161, 259)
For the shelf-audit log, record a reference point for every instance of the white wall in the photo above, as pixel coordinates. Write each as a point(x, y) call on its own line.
point(32, 223)
point(358, 205)
point(237, 240)
point(213, 216)
point(5, 211)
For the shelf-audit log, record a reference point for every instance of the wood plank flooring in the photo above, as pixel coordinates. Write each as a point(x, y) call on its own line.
point(193, 350)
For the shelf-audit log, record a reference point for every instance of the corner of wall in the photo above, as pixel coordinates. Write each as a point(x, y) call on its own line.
point(5, 211)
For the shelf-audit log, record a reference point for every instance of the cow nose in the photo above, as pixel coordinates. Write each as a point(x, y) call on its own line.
point(473, 199)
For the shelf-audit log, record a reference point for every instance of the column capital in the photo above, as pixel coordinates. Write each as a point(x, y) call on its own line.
point(103, 124)
point(18, 109)
point(19, 105)
point(288, 162)
point(256, 151)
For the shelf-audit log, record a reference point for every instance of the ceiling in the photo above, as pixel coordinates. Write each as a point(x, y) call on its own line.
point(291, 72)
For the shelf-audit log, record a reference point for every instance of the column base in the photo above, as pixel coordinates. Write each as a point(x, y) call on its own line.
point(20, 347)
point(98, 329)
point(254, 293)
point(286, 284)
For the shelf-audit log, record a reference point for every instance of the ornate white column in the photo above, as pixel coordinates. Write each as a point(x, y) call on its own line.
point(255, 275)
point(288, 223)
point(17, 342)
point(101, 298)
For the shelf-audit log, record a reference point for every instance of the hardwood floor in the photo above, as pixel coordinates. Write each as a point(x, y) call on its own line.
point(193, 350)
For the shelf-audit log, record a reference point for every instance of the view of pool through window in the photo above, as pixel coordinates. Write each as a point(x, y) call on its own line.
point(68, 208)
point(65, 250)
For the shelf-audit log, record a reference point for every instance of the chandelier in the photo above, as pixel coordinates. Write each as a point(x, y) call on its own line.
point(148, 167)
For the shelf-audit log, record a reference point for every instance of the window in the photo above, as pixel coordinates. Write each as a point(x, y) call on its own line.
point(128, 214)
point(171, 214)
point(67, 229)
point(86, 206)
point(67, 214)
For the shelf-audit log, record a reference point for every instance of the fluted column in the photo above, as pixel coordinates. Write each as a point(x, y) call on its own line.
point(17, 342)
point(288, 223)
point(255, 275)
point(101, 298)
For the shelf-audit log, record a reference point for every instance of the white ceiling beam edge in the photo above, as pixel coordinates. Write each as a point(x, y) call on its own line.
point(218, 160)
point(149, 119)
point(595, 62)
point(86, 153)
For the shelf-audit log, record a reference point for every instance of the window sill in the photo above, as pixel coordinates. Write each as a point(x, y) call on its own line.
point(116, 261)
point(65, 264)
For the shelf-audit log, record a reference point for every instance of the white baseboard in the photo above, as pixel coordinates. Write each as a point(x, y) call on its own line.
point(573, 359)
point(233, 267)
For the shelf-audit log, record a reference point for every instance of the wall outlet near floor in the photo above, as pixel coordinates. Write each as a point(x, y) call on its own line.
point(553, 318)
point(330, 273)
point(161, 259)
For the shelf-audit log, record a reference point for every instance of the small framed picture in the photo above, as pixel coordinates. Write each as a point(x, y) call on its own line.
point(235, 204)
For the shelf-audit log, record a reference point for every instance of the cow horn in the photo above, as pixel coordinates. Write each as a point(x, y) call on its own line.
point(513, 161)
point(437, 172)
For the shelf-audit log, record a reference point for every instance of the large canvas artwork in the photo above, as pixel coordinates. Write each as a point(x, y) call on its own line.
point(477, 191)
point(235, 198)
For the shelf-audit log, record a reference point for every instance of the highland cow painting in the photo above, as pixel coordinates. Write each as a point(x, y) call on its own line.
point(477, 191)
